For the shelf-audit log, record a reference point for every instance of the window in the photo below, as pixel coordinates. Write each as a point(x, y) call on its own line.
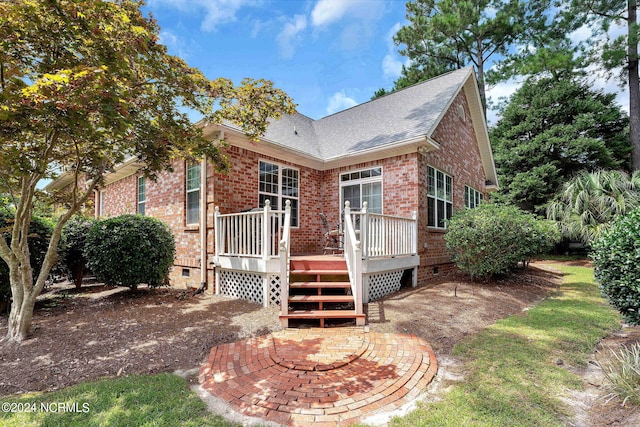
point(439, 198)
point(193, 193)
point(142, 197)
point(472, 197)
point(278, 183)
point(362, 186)
point(101, 203)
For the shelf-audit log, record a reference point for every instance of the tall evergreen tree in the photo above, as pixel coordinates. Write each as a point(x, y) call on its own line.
point(616, 53)
point(551, 129)
point(444, 35)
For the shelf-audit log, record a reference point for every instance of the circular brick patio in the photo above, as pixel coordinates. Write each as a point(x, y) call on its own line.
point(333, 376)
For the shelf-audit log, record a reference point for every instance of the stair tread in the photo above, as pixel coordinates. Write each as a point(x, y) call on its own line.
point(321, 298)
point(317, 314)
point(316, 271)
point(327, 285)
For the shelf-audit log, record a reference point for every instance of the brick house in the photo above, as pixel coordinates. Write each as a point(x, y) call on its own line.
point(410, 157)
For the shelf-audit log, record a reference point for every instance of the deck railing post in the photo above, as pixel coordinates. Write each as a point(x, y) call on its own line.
point(217, 241)
point(364, 231)
point(266, 230)
point(414, 237)
point(284, 249)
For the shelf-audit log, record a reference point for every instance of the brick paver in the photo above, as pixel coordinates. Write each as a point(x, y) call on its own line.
point(333, 376)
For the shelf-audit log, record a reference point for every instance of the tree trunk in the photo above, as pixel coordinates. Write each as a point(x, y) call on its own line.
point(21, 316)
point(634, 85)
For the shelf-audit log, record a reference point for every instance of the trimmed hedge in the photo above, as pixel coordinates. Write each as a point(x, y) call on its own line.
point(74, 240)
point(40, 231)
point(129, 250)
point(616, 260)
point(493, 238)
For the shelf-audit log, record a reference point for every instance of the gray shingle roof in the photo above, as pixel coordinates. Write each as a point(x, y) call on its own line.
point(401, 115)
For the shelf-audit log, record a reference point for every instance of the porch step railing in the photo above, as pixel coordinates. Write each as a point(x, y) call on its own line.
point(353, 256)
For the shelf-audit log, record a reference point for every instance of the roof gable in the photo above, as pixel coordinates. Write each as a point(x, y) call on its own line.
point(407, 117)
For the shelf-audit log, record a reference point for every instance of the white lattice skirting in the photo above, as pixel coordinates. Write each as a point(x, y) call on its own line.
point(381, 284)
point(274, 289)
point(250, 286)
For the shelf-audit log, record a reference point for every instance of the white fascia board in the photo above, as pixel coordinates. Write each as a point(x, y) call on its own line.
point(273, 149)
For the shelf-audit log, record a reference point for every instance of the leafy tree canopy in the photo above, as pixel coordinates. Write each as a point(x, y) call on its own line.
point(83, 85)
point(550, 130)
point(613, 47)
point(589, 202)
point(444, 35)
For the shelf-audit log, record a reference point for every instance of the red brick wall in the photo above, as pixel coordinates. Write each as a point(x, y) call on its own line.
point(404, 191)
point(458, 157)
point(238, 191)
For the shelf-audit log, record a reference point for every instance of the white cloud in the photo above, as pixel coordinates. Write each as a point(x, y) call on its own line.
point(498, 93)
point(340, 101)
point(391, 66)
point(216, 12)
point(328, 11)
point(391, 33)
point(288, 38)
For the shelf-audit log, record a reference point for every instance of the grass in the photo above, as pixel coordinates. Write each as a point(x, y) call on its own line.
point(515, 377)
point(137, 400)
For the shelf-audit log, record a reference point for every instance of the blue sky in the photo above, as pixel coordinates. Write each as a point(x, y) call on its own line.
point(327, 54)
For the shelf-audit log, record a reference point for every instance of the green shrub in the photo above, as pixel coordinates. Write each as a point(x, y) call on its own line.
point(616, 258)
point(72, 254)
point(40, 231)
point(129, 250)
point(494, 238)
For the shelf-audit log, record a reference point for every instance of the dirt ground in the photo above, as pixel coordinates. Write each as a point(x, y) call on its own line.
point(102, 331)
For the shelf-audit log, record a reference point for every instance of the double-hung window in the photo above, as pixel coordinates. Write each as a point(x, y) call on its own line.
point(279, 183)
point(472, 197)
point(142, 197)
point(439, 198)
point(193, 193)
point(362, 186)
point(102, 208)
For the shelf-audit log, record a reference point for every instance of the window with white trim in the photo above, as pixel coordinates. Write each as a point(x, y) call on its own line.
point(362, 186)
point(102, 211)
point(142, 196)
point(279, 183)
point(472, 197)
point(192, 189)
point(439, 198)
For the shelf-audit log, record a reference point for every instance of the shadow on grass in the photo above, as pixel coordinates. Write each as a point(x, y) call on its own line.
point(158, 400)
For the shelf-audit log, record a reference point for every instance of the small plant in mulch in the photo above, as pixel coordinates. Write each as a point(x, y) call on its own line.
point(622, 371)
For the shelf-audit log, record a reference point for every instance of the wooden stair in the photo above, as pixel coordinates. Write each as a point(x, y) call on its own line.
point(320, 289)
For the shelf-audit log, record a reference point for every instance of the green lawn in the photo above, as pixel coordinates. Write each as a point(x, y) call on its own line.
point(137, 400)
point(514, 376)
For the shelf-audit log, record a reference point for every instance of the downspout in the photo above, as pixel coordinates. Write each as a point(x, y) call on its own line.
point(203, 225)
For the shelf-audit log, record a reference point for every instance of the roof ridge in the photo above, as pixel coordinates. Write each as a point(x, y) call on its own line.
point(396, 92)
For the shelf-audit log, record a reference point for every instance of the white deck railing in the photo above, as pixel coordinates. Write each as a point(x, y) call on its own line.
point(285, 254)
point(386, 235)
point(248, 234)
point(353, 257)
